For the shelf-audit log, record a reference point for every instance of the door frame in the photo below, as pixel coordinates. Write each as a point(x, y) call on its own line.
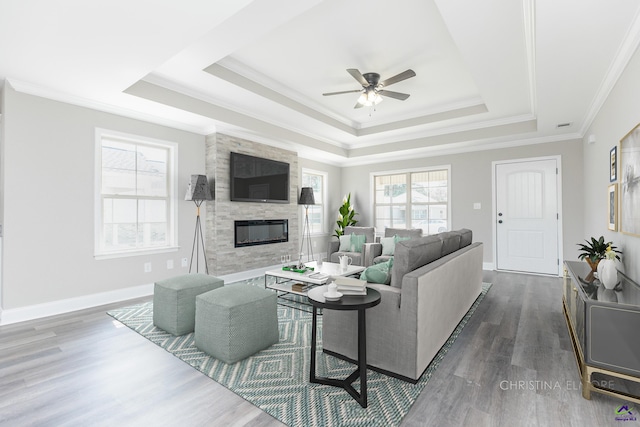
point(494, 214)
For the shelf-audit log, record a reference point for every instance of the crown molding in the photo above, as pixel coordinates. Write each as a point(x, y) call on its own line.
point(625, 52)
point(35, 90)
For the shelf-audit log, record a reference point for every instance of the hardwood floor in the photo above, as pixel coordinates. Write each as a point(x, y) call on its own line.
point(512, 365)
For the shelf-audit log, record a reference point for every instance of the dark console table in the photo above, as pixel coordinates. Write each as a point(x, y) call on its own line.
point(603, 325)
point(351, 302)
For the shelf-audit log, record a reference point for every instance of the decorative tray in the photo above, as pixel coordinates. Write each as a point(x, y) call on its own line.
point(295, 269)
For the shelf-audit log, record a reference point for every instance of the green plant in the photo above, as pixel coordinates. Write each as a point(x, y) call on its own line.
point(596, 250)
point(346, 215)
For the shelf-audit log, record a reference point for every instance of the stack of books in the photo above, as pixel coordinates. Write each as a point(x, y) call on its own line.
point(351, 286)
point(299, 287)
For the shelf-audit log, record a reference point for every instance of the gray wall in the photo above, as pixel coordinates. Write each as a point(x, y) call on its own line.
point(619, 114)
point(48, 194)
point(471, 183)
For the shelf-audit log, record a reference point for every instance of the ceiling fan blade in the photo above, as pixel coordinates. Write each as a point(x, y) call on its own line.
point(358, 76)
point(395, 95)
point(358, 105)
point(340, 93)
point(397, 78)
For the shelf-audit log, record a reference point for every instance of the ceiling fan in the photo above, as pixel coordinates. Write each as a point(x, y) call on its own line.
point(373, 88)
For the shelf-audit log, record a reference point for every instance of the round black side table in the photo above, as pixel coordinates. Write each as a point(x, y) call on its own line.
point(347, 302)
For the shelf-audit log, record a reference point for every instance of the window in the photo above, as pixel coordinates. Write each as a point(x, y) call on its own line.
point(412, 199)
point(317, 181)
point(135, 188)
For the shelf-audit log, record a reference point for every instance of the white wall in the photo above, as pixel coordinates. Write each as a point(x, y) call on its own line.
point(48, 198)
point(471, 183)
point(618, 115)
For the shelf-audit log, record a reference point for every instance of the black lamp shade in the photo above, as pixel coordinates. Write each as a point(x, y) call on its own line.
point(198, 188)
point(306, 197)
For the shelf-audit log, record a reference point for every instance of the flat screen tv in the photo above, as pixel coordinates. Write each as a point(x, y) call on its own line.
point(254, 179)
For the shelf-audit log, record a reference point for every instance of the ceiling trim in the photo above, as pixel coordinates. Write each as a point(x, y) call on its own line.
point(529, 21)
point(162, 95)
point(54, 95)
point(625, 52)
point(246, 83)
point(425, 119)
point(234, 77)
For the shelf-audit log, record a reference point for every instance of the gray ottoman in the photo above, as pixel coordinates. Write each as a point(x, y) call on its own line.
point(174, 301)
point(236, 321)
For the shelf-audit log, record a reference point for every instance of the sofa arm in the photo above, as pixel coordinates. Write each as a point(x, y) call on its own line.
point(370, 252)
point(332, 247)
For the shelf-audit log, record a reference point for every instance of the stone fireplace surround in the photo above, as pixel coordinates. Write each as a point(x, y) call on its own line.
point(221, 213)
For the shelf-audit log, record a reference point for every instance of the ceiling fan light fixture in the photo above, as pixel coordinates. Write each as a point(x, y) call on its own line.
point(369, 97)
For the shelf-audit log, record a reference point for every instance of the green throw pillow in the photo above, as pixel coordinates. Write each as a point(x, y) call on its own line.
point(378, 273)
point(357, 240)
point(345, 243)
point(388, 245)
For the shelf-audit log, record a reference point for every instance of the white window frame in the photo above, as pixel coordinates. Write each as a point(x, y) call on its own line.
point(372, 191)
point(323, 202)
point(172, 205)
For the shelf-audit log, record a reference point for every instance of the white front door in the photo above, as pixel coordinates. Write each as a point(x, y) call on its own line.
point(527, 216)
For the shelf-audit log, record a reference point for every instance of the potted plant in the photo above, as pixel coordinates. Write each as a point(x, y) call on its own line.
point(346, 215)
point(595, 250)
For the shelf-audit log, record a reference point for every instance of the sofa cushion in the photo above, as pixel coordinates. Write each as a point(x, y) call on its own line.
point(378, 273)
point(412, 254)
point(345, 243)
point(450, 242)
point(466, 237)
point(369, 232)
point(412, 233)
point(388, 245)
point(357, 240)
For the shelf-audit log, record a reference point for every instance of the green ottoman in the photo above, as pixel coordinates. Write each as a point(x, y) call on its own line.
point(236, 321)
point(174, 301)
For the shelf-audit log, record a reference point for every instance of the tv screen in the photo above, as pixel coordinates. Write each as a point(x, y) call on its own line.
point(254, 179)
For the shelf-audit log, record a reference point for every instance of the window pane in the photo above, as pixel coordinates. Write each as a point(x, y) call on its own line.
point(152, 171)
point(152, 222)
point(119, 223)
point(315, 219)
point(118, 168)
point(399, 216)
point(391, 189)
point(316, 212)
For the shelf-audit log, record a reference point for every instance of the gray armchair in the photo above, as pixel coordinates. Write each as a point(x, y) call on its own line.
point(359, 258)
point(374, 250)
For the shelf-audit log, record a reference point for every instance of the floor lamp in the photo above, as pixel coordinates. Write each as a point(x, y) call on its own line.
point(306, 199)
point(198, 192)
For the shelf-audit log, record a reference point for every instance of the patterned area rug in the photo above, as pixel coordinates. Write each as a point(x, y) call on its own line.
point(277, 379)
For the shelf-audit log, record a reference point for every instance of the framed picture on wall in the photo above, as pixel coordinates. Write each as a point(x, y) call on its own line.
point(613, 164)
point(613, 207)
point(629, 158)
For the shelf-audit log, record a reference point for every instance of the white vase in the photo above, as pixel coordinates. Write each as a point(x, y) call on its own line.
point(608, 273)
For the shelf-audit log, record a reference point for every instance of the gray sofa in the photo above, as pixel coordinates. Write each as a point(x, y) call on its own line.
point(434, 281)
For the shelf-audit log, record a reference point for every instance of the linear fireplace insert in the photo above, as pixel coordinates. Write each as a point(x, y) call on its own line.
point(260, 232)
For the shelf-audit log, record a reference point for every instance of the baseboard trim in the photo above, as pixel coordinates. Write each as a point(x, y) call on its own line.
point(73, 304)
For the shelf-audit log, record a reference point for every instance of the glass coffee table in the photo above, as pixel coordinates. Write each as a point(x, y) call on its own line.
point(290, 282)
